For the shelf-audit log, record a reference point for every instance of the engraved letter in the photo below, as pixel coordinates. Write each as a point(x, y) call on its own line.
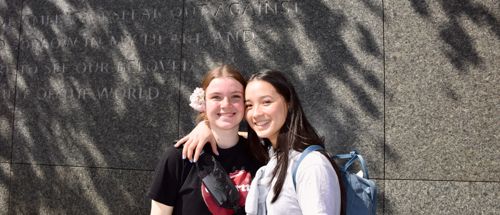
point(248, 35)
point(234, 9)
point(157, 93)
point(104, 92)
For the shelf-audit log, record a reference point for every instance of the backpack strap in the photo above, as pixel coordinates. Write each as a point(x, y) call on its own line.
point(353, 156)
point(306, 151)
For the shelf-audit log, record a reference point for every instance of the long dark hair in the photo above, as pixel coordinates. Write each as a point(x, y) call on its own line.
point(297, 133)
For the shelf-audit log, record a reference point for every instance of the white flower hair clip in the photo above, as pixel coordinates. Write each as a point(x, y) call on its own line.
point(197, 100)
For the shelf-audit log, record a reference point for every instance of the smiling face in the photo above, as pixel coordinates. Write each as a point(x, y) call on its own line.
point(224, 103)
point(266, 109)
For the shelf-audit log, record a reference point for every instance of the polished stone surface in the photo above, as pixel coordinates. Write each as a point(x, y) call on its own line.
point(97, 83)
point(100, 88)
point(78, 190)
point(9, 42)
point(442, 116)
point(441, 197)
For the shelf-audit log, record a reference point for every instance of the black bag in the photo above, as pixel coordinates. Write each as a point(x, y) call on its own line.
point(218, 183)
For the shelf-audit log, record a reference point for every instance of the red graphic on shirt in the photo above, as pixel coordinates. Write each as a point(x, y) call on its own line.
point(241, 180)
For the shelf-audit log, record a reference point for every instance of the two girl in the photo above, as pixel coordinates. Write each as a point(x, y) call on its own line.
point(276, 118)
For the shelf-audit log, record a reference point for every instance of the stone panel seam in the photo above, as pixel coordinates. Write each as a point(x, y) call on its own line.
point(383, 63)
point(15, 81)
point(20, 18)
point(383, 99)
point(437, 180)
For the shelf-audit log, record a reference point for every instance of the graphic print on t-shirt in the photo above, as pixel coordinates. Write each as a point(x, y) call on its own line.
point(241, 180)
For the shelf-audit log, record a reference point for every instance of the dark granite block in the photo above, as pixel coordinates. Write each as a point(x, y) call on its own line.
point(330, 50)
point(76, 190)
point(98, 83)
point(8, 55)
point(10, 11)
point(441, 197)
point(442, 91)
point(9, 30)
point(4, 187)
point(9, 40)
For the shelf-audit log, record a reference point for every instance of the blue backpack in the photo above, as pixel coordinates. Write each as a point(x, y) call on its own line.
point(360, 192)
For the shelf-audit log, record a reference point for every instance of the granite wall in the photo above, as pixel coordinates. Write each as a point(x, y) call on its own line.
point(92, 91)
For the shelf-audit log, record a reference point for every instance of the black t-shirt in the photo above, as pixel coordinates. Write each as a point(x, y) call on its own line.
point(176, 182)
